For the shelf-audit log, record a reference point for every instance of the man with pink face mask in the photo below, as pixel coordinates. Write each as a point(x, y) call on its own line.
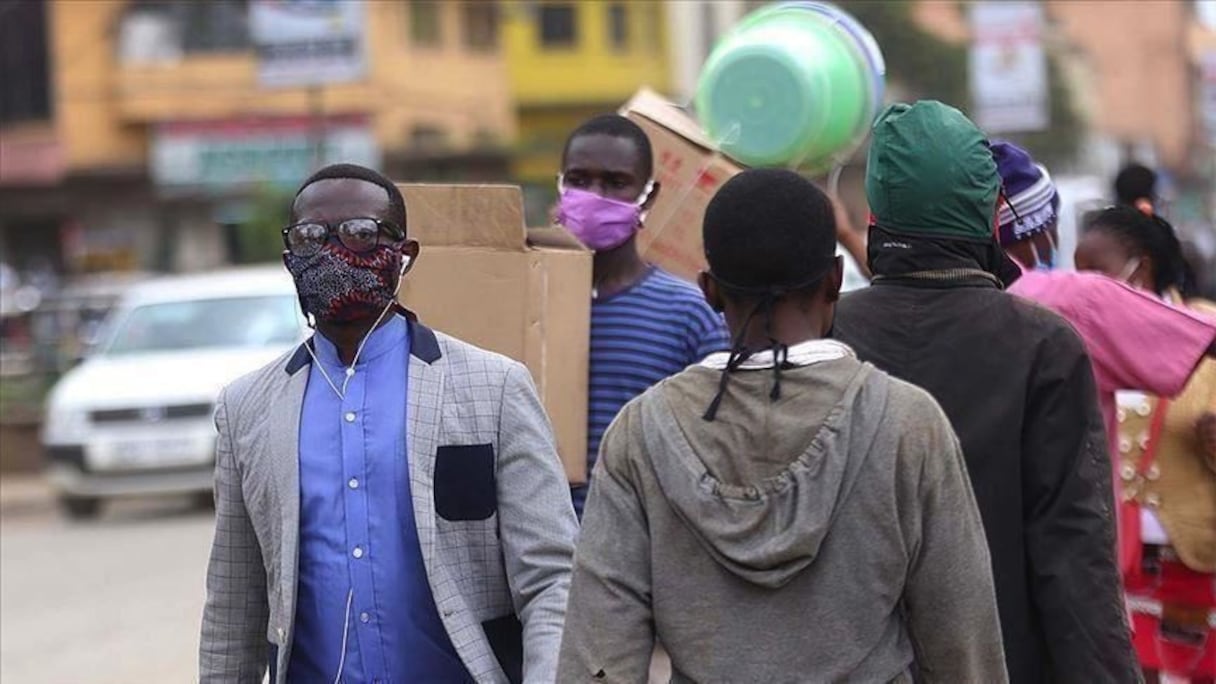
point(646, 324)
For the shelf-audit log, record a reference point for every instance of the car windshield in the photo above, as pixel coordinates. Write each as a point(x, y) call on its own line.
point(206, 323)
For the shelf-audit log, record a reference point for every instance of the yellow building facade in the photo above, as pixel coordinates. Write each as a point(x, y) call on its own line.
point(158, 114)
point(443, 84)
point(568, 61)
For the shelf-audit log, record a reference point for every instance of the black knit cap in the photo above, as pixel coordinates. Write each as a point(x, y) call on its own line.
point(769, 228)
point(767, 233)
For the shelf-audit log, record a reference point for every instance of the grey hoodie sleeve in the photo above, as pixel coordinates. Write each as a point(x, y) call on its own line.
point(949, 597)
point(609, 633)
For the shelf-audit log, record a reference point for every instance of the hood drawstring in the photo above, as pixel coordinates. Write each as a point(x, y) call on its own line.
point(740, 353)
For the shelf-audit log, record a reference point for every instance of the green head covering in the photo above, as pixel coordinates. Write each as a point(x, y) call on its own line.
point(930, 172)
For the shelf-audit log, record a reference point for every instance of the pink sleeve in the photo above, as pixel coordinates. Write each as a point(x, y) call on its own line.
point(1138, 342)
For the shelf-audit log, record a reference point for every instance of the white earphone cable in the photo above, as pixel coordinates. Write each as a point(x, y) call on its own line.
point(350, 595)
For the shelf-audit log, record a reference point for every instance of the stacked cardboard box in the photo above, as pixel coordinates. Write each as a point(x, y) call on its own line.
point(690, 169)
point(483, 278)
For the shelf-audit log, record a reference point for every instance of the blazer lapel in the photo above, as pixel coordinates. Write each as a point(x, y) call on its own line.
point(425, 410)
point(284, 432)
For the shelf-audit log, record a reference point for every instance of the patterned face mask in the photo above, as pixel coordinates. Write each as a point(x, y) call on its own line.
point(339, 286)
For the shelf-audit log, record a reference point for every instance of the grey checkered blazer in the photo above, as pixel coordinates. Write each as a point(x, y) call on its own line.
point(498, 564)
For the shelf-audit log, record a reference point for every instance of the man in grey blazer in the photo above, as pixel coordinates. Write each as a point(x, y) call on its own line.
point(390, 505)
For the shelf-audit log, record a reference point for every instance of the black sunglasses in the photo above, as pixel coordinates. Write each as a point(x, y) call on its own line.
point(359, 235)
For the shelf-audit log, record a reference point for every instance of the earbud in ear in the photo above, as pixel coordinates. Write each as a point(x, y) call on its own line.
point(405, 264)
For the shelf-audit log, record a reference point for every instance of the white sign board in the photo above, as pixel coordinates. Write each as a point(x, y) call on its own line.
point(307, 42)
point(222, 155)
point(1008, 68)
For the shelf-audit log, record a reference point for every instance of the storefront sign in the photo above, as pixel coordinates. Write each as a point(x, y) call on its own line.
point(33, 160)
point(224, 155)
point(307, 42)
point(1008, 67)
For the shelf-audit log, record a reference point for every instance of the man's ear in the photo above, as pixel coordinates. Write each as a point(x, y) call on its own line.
point(709, 288)
point(654, 193)
point(409, 252)
point(834, 281)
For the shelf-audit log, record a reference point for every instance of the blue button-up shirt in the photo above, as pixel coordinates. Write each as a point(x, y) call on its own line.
point(364, 604)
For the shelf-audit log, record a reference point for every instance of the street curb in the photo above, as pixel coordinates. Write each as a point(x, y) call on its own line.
point(23, 495)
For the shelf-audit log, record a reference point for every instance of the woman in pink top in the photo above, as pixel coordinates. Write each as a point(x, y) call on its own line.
point(1167, 463)
point(1135, 341)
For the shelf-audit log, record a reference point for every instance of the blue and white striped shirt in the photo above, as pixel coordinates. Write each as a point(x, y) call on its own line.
point(653, 330)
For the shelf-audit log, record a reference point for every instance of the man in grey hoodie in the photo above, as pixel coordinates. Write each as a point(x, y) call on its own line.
point(783, 512)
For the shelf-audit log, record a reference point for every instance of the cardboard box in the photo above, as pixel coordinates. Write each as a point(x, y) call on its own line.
point(483, 278)
point(690, 169)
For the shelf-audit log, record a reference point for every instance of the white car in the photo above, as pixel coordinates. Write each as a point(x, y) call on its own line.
point(136, 416)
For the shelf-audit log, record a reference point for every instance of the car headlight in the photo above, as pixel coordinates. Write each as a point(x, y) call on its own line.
point(65, 426)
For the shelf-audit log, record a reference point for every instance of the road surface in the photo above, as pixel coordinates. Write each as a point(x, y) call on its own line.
point(114, 601)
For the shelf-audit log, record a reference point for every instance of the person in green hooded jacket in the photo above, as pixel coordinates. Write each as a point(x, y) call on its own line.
point(1015, 381)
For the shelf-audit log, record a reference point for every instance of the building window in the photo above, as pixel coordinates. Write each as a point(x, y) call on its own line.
point(557, 25)
point(25, 92)
point(481, 25)
point(618, 26)
point(149, 36)
point(159, 30)
point(428, 138)
point(215, 26)
point(425, 26)
point(484, 138)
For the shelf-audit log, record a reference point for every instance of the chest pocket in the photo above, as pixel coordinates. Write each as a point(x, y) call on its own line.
point(464, 482)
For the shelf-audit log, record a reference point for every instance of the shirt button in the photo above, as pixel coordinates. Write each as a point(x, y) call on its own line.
point(364, 618)
point(358, 552)
point(350, 416)
point(354, 483)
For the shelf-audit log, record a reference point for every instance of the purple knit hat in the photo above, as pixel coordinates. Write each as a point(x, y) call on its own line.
point(1028, 188)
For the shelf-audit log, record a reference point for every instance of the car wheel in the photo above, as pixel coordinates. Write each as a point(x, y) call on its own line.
point(81, 507)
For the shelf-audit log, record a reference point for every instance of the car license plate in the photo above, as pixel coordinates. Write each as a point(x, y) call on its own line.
point(166, 452)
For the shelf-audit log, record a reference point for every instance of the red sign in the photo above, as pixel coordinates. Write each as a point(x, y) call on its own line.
point(30, 159)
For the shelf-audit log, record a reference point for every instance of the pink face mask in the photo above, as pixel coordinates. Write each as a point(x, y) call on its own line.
point(598, 222)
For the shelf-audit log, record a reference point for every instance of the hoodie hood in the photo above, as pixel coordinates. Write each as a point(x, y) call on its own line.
point(760, 486)
point(930, 172)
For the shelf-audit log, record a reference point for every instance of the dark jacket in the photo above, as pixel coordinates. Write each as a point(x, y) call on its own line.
point(1017, 385)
